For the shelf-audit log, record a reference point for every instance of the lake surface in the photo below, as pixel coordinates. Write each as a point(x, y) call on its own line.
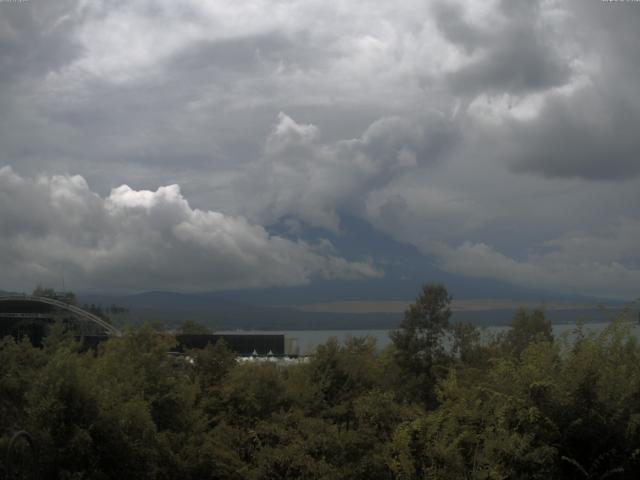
point(308, 340)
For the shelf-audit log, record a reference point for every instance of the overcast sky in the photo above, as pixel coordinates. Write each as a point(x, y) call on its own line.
point(158, 144)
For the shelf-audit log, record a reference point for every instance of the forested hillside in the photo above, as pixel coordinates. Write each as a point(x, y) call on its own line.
point(520, 405)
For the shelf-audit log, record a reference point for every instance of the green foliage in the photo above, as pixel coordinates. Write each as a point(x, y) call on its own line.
point(521, 406)
point(192, 327)
point(468, 346)
point(18, 361)
point(526, 328)
point(253, 393)
point(213, 363)
point(341, 373)
point(419, 343)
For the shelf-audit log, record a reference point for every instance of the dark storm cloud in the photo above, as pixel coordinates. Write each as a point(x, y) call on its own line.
point(572, 72)
point(248, 55)
point(590, 132)
point(516, 54)
point(451, 22)
point(439, 123)
point(195, 105)
point(425, 139)
point(34, 39)
point(593, 135)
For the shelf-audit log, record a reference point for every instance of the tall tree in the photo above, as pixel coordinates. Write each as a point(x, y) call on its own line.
point(418, 342)
point(527, 327)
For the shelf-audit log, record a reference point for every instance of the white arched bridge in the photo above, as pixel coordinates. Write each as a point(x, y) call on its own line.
point(79, 313)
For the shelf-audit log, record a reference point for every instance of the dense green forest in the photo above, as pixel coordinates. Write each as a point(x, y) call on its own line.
point(519, 405)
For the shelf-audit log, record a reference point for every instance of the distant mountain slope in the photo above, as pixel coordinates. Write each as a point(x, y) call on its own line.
point(405, 270)
point(173, 308)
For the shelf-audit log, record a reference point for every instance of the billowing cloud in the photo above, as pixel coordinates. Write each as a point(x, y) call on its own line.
point(300, 175)
point(501, 123)
point(586, 129)
point(139, 85)
point(35, 40)
point(513, 49)
point(590, 134)
point(548, 86)
point(131, 240)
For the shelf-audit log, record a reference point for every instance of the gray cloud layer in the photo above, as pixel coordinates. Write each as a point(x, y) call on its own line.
point(485, 133)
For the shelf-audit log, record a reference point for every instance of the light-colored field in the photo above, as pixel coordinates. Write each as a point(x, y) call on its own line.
point(399, 306)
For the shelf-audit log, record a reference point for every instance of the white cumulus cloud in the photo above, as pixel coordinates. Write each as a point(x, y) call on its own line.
point(55, 226)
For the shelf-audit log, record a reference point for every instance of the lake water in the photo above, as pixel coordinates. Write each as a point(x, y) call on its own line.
point(308, 340)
